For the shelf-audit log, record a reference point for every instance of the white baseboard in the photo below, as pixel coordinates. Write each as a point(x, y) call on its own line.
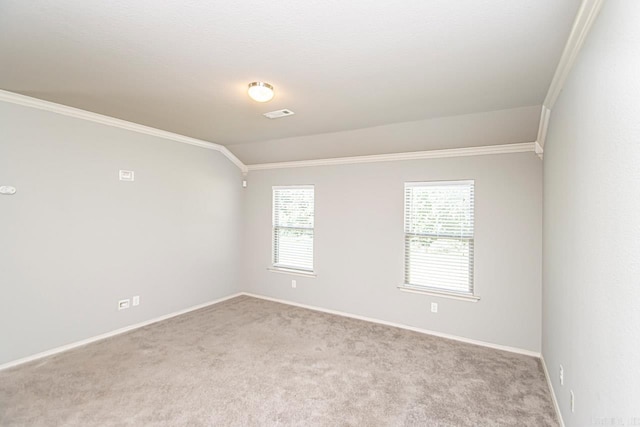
point(399, 325)
point(111, 334)
point(310, 307)
point(553, 393)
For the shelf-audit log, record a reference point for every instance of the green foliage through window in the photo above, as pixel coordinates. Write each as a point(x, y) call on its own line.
point(293, 222)
point(439, 235)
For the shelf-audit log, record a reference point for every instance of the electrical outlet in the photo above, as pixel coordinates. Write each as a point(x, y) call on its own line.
point(434, 307)
point(561, 375)
point(136, 300)
point(573, 402)
point(294, 283)
point(123, 304)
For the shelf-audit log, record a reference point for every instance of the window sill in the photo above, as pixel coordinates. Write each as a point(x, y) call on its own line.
point(443, 294)
point(292, 271)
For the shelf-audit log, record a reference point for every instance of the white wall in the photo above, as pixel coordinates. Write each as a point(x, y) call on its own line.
point(469, 130)
point(591, 316)
point(74, 240)
point(359, 245)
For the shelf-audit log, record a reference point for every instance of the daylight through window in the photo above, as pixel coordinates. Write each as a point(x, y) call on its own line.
point(293, 227)
point(438, 227)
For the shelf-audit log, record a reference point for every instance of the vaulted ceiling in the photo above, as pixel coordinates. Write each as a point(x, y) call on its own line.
point(183, 65)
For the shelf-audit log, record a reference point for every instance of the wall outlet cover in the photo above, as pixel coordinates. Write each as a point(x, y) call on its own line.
point(123, 304)
point(573, 402)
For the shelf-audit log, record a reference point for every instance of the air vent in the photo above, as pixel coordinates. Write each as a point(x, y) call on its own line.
point(278, 114)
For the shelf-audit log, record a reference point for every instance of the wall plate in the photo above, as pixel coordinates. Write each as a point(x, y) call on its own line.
point(8, 190)
point(126, 175)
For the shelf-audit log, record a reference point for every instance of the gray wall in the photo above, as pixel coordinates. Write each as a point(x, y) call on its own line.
point(469, 130)
point(591, 316)
point(359, 245)
point(74, 240)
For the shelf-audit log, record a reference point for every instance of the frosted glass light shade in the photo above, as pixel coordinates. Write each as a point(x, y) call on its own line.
point(260, 91)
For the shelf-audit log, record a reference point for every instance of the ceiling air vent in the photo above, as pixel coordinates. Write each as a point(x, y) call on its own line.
point(278, 114)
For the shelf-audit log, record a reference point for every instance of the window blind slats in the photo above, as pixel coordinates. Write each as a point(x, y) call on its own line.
point(293, 222)
point(439, 232)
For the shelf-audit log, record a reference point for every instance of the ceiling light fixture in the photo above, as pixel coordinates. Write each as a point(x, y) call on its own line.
point(260, 91)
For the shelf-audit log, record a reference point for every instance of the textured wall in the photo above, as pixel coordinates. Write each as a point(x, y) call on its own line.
point(591, 316)
point(359, 245)
point(74, 239)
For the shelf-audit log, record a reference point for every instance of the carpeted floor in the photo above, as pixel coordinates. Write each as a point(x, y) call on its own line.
point(249, 362)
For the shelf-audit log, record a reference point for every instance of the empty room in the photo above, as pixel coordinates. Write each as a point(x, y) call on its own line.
point(320, 213)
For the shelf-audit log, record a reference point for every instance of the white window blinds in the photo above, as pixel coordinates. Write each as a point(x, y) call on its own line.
point(293, 227)
point(438, 227)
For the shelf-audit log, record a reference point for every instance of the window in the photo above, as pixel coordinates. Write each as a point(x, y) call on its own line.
point(438, 234)
point(293, 227)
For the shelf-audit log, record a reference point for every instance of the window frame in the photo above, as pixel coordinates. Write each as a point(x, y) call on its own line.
point(434, 290)
point(284, 268)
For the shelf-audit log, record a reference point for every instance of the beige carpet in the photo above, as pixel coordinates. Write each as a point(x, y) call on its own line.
point(252, 362)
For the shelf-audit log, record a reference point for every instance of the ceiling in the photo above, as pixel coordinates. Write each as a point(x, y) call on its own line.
point(184, 65)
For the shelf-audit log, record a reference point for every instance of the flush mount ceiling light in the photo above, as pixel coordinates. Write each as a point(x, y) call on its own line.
point(260, 91)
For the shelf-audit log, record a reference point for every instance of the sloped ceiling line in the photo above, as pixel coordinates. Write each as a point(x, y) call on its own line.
point(415, 155)
point(27, 101)
point(39, 104)
point(585, 18)
point(587, 14)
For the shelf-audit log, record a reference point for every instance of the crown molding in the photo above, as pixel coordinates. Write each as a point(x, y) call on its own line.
point(27, 101)
point(415, 155)
point(40, 104)
point(586, 16)
point(545, 115)
point(583, 22)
